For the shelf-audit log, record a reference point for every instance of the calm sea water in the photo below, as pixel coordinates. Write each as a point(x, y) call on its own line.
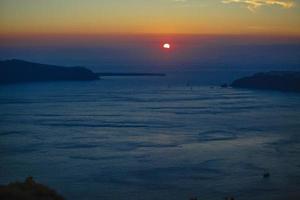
point(147, 138)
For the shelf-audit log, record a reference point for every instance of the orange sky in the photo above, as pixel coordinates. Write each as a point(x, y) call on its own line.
point(144, 16)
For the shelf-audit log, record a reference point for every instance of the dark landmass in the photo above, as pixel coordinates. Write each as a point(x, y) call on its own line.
point(16, 71)
point(131, 74)
point(29, 190)
point(276, 80)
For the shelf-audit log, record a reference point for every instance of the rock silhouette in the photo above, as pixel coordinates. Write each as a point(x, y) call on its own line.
point(28, 190)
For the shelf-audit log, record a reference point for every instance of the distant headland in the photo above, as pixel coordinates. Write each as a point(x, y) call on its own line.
point(275, 80)
point(130, 74)
point(19, 71)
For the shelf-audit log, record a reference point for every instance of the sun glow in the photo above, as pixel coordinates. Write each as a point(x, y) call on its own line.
point(166, 46)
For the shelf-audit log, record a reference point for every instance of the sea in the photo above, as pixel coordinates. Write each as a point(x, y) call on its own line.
point(152, 138)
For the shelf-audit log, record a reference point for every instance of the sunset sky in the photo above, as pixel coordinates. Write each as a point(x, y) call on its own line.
point(150, 16)
point(128, 35)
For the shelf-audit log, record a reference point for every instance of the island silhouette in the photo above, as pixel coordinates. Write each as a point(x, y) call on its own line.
point(288, 81)
point(18, 71)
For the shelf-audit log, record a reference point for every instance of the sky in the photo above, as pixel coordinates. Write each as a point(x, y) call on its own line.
point(150, 16)
point(127, 35)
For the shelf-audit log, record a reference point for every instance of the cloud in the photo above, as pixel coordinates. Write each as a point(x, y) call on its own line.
point(253, 4)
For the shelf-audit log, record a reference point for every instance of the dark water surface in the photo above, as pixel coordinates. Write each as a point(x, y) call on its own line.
point(144, 138)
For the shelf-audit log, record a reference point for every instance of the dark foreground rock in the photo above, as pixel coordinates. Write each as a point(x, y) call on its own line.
point(16, 71)
point(29, 190)
point(276, 80)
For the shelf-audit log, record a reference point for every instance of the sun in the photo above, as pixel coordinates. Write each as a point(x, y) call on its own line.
point(166, 46)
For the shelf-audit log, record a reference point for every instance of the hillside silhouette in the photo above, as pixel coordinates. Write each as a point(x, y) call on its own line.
point(16, 71)
point(274, 80)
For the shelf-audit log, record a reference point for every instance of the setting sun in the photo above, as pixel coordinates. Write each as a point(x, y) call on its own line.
point(167, 46)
